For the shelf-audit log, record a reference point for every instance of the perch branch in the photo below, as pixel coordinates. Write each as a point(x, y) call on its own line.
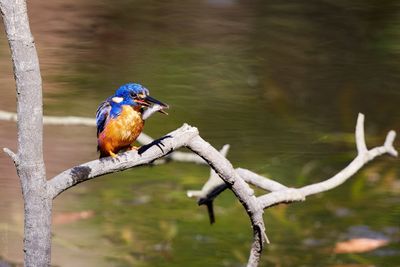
point(185, 136)
point(145, 155)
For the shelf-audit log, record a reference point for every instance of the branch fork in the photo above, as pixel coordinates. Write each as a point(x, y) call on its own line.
point(279, 193)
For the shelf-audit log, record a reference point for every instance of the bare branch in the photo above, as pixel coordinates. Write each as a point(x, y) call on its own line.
point(52, 120)
point(145, 155)
point(214, 186)
point(184, 136)
point(279, 193)
point(67, 121)
point(211, 189)
point(8, 116)
point(283, 196)
point(240, 188)
point(185, 157)
point(174, 156)
point(363, 157)
point(259, 181)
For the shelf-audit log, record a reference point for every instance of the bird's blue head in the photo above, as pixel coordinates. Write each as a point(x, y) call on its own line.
point(134, 94)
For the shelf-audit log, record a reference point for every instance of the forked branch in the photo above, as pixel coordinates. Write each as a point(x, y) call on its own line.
point(223, 175)
point(282, 194)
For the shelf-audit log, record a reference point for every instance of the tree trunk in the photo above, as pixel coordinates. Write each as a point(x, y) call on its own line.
point(37, 241)
point(29, 159)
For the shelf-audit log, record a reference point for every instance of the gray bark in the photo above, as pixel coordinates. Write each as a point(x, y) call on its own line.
point(29, 158)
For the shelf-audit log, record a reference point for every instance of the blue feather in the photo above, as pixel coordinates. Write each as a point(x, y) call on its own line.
point(102, 115)
point(110, 109)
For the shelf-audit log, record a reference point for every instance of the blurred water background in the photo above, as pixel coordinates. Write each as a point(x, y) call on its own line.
point(282, 82)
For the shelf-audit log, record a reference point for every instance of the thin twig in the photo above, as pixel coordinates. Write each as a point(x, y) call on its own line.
point(12, 155)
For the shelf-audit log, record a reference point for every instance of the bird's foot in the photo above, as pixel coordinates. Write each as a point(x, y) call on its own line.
point(113, 155)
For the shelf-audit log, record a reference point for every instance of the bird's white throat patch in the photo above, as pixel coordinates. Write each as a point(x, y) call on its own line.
point(117, 99)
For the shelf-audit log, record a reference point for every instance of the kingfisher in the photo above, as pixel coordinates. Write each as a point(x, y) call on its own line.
point(120, 118)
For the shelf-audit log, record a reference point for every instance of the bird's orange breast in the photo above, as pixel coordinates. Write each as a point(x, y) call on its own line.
point(120, 132)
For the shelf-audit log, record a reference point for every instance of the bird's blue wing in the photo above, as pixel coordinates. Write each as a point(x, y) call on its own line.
point(102, 115)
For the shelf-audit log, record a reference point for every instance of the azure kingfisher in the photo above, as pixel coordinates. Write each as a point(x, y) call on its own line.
point(120, 118)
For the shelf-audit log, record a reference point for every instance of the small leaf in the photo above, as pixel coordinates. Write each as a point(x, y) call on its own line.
point(359, 245)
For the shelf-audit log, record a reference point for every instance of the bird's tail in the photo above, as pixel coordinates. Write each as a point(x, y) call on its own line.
point(103, 154)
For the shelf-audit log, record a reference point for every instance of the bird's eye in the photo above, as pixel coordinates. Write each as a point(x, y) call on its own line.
point(133, 95)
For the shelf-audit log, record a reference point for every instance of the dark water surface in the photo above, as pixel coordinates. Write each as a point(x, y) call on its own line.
point(281, 81)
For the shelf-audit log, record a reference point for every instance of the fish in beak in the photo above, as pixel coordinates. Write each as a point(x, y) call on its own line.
point(152, 105)
point(148, 101)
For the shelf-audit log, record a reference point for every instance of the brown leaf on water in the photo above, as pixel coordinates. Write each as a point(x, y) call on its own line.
point(70, 217)
point(359, 245)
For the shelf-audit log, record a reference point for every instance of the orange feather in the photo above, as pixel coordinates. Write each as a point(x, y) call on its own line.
point(120, 132)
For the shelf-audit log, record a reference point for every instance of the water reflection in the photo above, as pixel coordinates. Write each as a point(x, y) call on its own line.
point(281, 82)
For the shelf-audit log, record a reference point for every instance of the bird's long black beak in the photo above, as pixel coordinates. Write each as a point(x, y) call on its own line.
point(149, 101)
